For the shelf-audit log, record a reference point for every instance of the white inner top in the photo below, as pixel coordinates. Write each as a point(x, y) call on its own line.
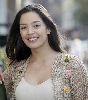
point(26, 91)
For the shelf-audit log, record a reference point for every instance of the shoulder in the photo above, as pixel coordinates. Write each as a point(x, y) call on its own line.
point(69, 61)
point(12, 66)
point(76, 67)
point(15, 63)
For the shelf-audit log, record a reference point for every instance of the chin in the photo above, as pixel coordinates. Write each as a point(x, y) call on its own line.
point(36, 46)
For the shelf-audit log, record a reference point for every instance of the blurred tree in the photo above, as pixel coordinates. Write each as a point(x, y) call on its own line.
point(81, 14)
point(3, 58)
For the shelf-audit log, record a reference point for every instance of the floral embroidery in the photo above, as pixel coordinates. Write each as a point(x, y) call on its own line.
point(68, 73)
point(66, 59)
point(66, 89)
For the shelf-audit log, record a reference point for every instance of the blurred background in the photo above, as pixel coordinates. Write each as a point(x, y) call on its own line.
point(71, 17)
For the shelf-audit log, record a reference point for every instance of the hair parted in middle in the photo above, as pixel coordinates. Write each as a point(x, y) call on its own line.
point(16, 48)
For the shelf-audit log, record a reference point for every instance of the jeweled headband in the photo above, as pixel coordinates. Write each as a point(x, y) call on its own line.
point(41, 8)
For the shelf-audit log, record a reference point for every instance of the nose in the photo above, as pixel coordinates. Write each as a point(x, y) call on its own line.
point(30, 30)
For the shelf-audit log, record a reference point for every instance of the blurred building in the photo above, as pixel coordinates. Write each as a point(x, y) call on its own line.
point(62, 11)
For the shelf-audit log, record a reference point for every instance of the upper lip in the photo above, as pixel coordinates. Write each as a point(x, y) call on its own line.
point(32, 37)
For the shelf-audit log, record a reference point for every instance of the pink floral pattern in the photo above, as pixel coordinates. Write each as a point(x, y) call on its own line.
point(68, 73)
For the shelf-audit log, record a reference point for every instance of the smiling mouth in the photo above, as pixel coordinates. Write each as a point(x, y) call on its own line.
point(33, 39)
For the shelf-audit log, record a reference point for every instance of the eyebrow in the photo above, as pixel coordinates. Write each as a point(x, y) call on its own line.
point(32, 23)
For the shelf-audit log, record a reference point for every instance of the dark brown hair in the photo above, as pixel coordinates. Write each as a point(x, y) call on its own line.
point(15, 48)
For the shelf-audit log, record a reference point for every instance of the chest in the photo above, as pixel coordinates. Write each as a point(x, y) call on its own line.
point(38, 73)
point(26, 91)
point(59, 82)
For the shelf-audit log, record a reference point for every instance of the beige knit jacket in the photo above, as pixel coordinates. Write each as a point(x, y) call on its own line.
point(69, 78)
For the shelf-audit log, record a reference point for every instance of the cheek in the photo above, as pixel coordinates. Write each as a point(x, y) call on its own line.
point(43, 33)
point(22, 35)
point(44, 37)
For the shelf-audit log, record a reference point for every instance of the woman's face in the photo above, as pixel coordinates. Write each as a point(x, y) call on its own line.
point(33, 30)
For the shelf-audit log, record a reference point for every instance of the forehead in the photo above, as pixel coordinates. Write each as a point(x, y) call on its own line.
point(29, 17)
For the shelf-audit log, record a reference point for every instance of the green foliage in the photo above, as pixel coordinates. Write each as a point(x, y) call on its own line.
point(3, 58)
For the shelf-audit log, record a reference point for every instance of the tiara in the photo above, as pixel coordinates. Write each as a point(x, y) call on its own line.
point(40, 8)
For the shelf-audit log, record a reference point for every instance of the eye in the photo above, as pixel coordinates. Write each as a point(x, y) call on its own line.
point(37, 26)
point(23, 27)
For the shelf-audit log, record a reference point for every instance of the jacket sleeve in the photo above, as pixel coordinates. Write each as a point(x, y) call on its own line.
point(8, 81)
point(79, 81)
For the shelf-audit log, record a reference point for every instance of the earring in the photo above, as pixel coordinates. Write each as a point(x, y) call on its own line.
point(49, 31)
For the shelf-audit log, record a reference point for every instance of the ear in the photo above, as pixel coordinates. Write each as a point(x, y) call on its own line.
point(48, 31)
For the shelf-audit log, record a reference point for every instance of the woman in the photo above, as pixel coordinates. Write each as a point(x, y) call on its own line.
point(38, 68)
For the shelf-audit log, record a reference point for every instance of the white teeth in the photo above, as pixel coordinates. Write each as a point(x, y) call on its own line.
point(32, 39)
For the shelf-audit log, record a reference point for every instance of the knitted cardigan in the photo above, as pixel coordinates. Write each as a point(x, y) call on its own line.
point(69, 78)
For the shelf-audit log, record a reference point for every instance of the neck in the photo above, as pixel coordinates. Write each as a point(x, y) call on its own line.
point(42, 53)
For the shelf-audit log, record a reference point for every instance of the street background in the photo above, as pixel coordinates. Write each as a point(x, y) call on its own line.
point(71, 17)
